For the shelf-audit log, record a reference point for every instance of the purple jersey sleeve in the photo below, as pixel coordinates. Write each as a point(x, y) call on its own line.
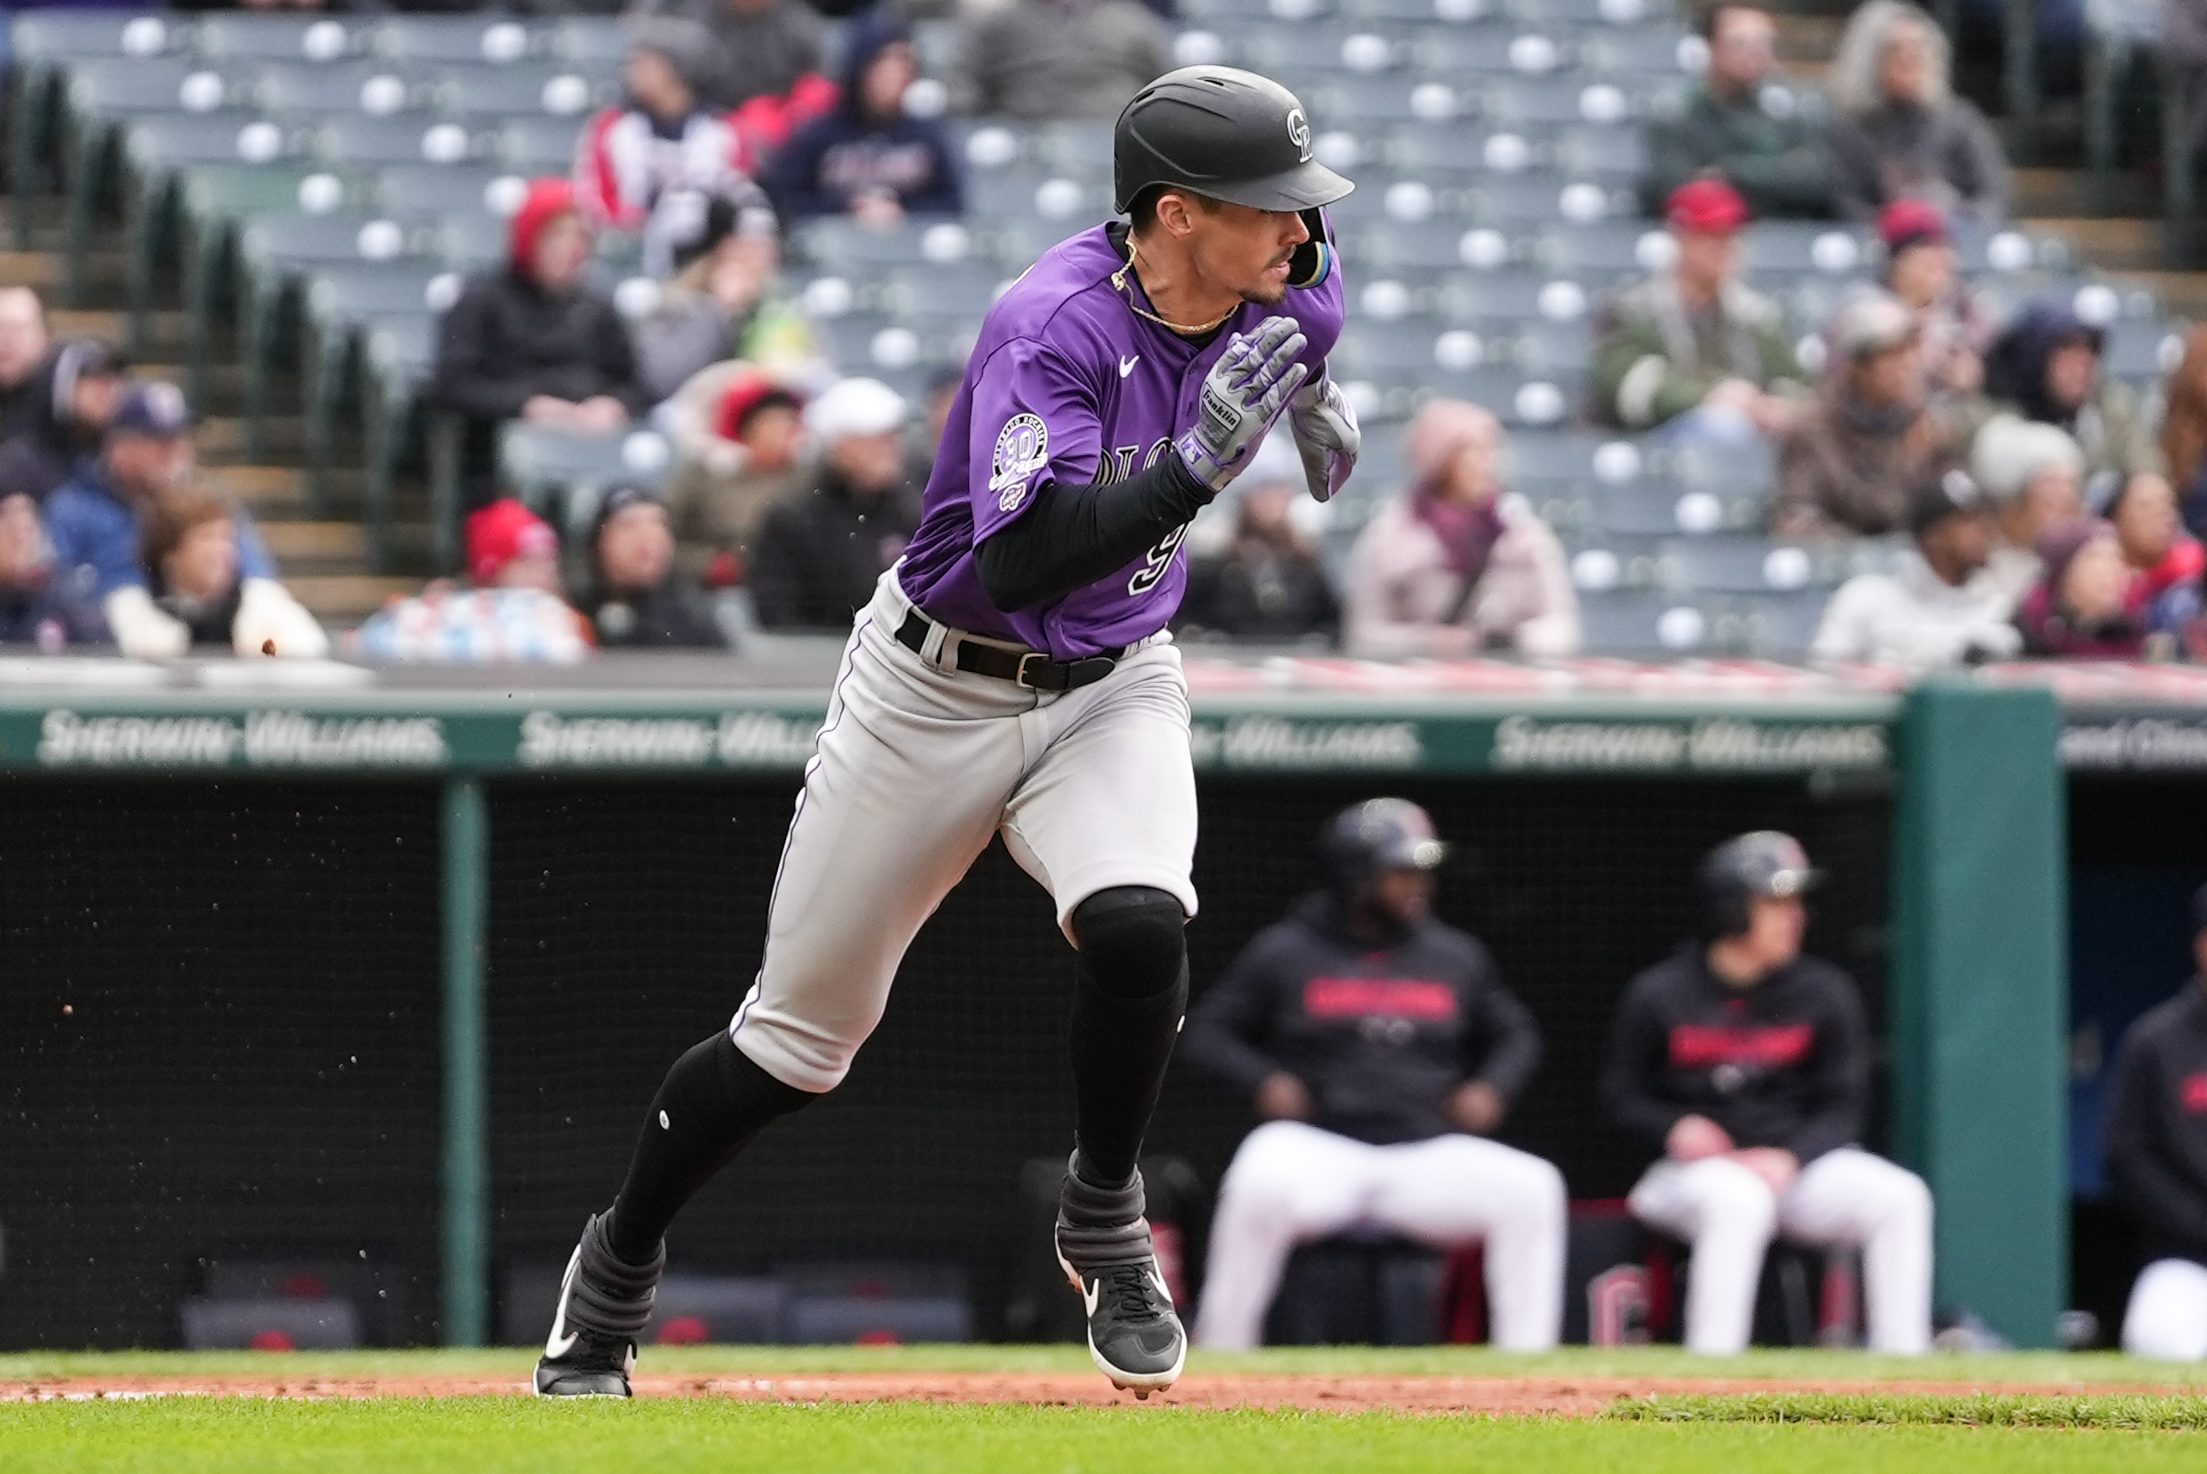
point(1035, 421)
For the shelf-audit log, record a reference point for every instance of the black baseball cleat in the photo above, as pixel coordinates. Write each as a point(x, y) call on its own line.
point(1103, 1245)
point(604, 1306)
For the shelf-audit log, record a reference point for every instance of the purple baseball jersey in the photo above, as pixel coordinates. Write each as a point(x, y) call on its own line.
point(1067, 384)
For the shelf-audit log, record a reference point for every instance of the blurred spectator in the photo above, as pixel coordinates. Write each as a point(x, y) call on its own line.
point(1043, 60)
point(1922, 270)
point(650, 164)
point(727, 300)
point(514, 611)
point(821, 550)
point(1265, 581)
point(868, 158)
point(23, 346)
point(93, 520)
point(927, 437)
point(2184, 431)
point(738, 433)
point(1852, 461)
point(634, 596)
point(2165, 561)
point(532, 340)
point(2085, 606)
point(72, 396)
point(2046, 366)
point(1938, 606)
point(188, 552)
point(1453, 566)
point(1692, 347)
point(2034, 476)
point(1761, 137)
point(36, 607)
point(767, 56)
point(1901, 133)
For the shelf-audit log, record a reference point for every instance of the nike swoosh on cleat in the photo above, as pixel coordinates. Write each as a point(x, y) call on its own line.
point(563, 1340)
point(1092, 1293)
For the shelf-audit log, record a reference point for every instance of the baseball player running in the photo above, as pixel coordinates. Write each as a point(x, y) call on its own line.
point(2157, 1160)
point(1384, 1049)
point(1747, 1064)
point(1013, 675)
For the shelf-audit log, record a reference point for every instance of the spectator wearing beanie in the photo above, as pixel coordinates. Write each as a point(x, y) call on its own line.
point(71, 397)
point(1454, 566)
point(532, 340)
point(1692, 347)
point(649, 164)
point(2034, 475)
point(1921, 269)
point(2046, 366)
point(1900, 132)
point(1937, 606)
point(743, 458)
point(513, 611)
point(37, 607)
point(727, 300)
point(1854, 459)
point(821, 550)
point(868, 158)
point(2085, 606)
point(634, 597)
point(1744, 127)
point(1045, 60)
point(189, 554)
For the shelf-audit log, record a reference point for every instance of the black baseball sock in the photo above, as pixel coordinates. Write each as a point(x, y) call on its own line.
point(710, 1106)
point(1130, 990)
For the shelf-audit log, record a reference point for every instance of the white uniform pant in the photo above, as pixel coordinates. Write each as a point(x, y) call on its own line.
point(1845, 1197)
point(1292, 1182)
point(917, 766)
point(2167, 1318)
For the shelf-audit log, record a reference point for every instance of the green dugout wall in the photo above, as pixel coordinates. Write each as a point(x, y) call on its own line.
point(1976, 998)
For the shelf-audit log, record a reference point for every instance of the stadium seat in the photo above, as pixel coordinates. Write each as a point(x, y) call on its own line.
point(1660, 50)
point(1644, 625)
point(467, 240)
point(252, 37)
point(432, 191)
point(1746, 565)
point(212, 199)
point(313, 90)
point(562, 473)
point(489, 93)
point(590, 41)
point(43, 46)
point(539, 145)
point(344, 303)
point(1771, 626)
point(396, 354)
point(2143, 352)
point(369, 141)
point(493, 39)
point(1604, 153)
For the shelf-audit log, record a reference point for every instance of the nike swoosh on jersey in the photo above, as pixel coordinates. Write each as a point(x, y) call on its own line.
point(562, 1340)
point(1126, 365)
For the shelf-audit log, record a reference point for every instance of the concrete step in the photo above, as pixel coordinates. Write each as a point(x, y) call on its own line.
point(271, 492)
point(348, 598)
point(2110, 244)
point(317, 547)
point(165, 331)
point(222, 438)
point(46, 270)
point(2069, 193)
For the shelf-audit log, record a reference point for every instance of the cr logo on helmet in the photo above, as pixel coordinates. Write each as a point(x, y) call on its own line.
point(1298, 130)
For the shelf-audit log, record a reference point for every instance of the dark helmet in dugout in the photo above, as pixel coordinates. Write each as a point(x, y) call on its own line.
point(1763, 864)
point(1228, 135)
point(1378, 834)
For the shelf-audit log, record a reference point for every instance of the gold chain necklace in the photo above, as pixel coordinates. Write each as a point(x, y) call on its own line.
point(1118, 283)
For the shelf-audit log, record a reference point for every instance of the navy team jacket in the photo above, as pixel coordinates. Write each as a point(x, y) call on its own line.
point(2157, 1125)
point(1380, 1033)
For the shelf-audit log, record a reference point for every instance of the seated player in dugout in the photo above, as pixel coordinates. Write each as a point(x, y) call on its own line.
point(1746, 1065)
point(2157, 1161)
point(1014, 674)
point(1384, 1051)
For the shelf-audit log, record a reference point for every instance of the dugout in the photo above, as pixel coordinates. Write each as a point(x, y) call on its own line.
point(385, 972)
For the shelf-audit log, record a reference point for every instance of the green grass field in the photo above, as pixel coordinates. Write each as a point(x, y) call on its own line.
point(1849, 1425)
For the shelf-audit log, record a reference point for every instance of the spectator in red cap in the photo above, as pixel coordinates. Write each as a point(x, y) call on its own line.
point(1901, 133)
point(532, 340)
point(1743, 127)
point(1691, 348)
point(739, 434)
point(1922, 269)
point(514, 611)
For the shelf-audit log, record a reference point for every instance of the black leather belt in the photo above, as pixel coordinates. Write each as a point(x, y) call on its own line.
point(1030, 668)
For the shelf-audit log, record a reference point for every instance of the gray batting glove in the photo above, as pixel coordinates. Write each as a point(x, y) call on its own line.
point(1242, 395)
point(1326, 436)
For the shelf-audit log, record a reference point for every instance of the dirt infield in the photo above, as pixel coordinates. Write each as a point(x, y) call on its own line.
point(1567, 1397)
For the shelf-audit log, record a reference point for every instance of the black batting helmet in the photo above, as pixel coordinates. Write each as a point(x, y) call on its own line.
point(1377, 834)
point(1764, 863)
point(1224, 133)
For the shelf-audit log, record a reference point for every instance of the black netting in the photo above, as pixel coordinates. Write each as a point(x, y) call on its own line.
point(218, 1038)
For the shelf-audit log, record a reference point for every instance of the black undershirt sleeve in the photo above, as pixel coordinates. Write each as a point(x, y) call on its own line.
point(1074, 535)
